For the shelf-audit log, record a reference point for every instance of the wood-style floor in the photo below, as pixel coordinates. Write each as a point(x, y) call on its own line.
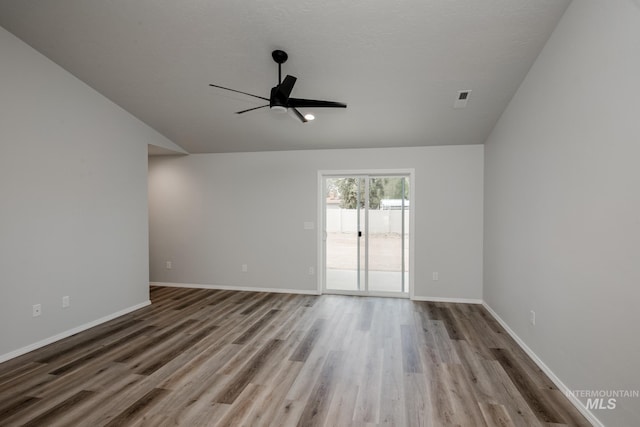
point(209, 358)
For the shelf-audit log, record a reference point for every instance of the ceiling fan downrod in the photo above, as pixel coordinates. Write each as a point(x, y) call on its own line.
point(280, 56)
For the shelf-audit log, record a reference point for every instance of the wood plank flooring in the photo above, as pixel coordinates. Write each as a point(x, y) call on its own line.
point(221, 358)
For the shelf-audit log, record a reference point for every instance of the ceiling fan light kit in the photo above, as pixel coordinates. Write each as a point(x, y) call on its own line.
point(280, 99)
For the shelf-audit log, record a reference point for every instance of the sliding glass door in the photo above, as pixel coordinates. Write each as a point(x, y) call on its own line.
point(366, 230)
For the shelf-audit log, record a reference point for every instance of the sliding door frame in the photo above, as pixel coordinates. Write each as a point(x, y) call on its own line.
point(321, 221)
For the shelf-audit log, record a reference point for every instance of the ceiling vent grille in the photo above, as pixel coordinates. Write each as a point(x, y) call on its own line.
point(462, 99)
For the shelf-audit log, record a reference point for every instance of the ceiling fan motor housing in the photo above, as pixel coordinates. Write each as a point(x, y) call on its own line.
point(276, 102)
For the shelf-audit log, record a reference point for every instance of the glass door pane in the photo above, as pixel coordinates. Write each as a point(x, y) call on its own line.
point(343, 218)
point(387, 231)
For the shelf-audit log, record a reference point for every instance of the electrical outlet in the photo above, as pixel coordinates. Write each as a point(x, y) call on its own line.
point(66, 302)
point(312, 271)
point(169, 265)
point(435, 275)
point(532, 317)
point(245, 268)
point(37, 310)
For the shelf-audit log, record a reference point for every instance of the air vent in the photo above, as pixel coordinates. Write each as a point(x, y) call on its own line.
point(462, 99)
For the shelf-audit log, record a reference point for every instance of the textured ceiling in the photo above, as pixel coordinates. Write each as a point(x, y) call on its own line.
point(398, 65)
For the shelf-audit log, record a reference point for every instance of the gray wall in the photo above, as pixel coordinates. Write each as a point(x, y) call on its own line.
point(562, 204)
point(73, 216)
point(211, 213)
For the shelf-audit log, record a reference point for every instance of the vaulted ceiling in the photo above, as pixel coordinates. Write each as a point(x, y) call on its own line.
point(397, 64)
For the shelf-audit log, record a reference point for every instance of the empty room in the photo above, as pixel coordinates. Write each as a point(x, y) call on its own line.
point(297, 213)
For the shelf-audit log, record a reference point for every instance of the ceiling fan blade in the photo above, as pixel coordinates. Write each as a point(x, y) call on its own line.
point(251, 109)
point(314, 103)
point(239, 91)
point(286, 87)
point(299, 115)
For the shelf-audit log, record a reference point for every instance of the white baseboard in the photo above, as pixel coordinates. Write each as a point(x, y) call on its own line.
point(235, 288)
point(441, 299)
point(561, 386)
point(68, 333)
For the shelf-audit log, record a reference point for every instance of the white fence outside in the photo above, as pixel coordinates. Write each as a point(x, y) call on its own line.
point(380, 221)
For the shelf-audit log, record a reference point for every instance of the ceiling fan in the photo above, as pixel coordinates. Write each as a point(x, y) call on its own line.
point(280, 99)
